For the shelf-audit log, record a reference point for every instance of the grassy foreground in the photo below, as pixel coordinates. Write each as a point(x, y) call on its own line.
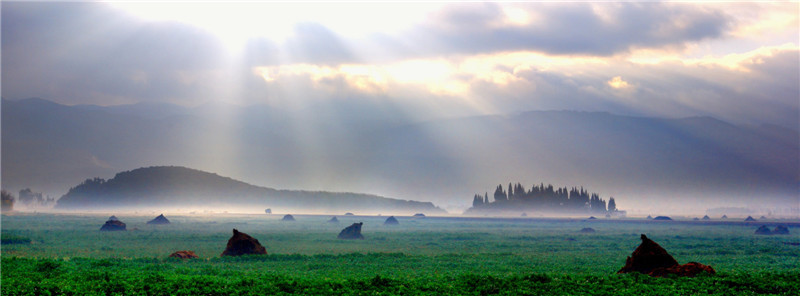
point(66, 255)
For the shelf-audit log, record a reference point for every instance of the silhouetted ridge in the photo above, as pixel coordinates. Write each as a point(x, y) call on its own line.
point(156, 187)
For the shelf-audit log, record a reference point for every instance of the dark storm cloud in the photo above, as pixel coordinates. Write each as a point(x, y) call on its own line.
point(71, 50)
point(569, 29)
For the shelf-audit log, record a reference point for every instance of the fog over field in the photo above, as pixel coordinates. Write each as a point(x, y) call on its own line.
point(670, 108)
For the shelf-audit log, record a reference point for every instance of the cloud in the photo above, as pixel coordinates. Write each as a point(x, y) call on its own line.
point(618, 83)
point(601, 29)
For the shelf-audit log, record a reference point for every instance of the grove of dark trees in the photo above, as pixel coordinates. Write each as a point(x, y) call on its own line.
point(544, 198)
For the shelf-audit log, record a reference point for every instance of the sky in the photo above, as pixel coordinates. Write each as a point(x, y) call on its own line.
point(735, 61)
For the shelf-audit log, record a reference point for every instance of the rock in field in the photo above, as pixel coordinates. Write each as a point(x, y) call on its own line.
point(663, 218)
point(242, 244)
point(113, 225)
point(333, 220)
point(391, 221)
point(587, 230)
point(352, 232)
point(184, 255)
point(159, 220)
point(763, 230)
point(288, 217)
point(651, 259)
point(781, 229)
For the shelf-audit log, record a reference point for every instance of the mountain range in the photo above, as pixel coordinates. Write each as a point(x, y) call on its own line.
point(641, 161)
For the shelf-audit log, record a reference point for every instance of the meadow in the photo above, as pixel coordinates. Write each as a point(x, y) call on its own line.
point(60, 254)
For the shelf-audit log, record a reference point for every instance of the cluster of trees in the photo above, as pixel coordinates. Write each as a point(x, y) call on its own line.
point(27, 197)
point(7, 204)
point(33, 199)
point(543, 197)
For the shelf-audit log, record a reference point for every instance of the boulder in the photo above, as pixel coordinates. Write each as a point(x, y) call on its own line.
point(781, 229)
point(662, 218)
point(391, 221)
point(159, 220)
point(333, 220)
point(184, 255)
point(242, 244)
point(706, 217)
point(352, 232)
point(651, 259)
point(587, 230)
point(647, 257)
point(113, 225)
point(749, 219)
point(288, 217)
point(763, 230)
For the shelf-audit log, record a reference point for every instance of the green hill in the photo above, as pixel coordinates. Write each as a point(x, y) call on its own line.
point(183, 188)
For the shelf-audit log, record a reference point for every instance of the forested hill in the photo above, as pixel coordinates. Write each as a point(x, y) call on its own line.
point(179, 188)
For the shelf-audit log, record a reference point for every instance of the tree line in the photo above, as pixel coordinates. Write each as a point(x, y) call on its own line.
point(546, 198)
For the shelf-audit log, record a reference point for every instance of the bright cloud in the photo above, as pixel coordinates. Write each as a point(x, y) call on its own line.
point(727, 60)
point(618, 83)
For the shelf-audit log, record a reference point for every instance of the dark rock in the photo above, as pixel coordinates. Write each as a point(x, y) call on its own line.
point(419, 215)
point(592, 218)
point(113, 225)
point(268, 211)
point(706, 217)
point(242, 244)
point(184, 255)
point(159, 220)
point(588, 230)
point(763, 230)
point(333, 220)
point(651, 259)
point(647, 257)
point(113, 218)
point(352, 231)
point(662, 218)
point(348, 214)
point(781, 229)
point(749, 219)
point(391, 221)
point(288, 217)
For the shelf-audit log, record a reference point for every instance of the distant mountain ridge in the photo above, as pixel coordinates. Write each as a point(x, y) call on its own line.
point(184, 188)
point(641, 161)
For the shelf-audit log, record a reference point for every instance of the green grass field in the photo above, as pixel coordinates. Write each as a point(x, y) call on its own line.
point(66, 255)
